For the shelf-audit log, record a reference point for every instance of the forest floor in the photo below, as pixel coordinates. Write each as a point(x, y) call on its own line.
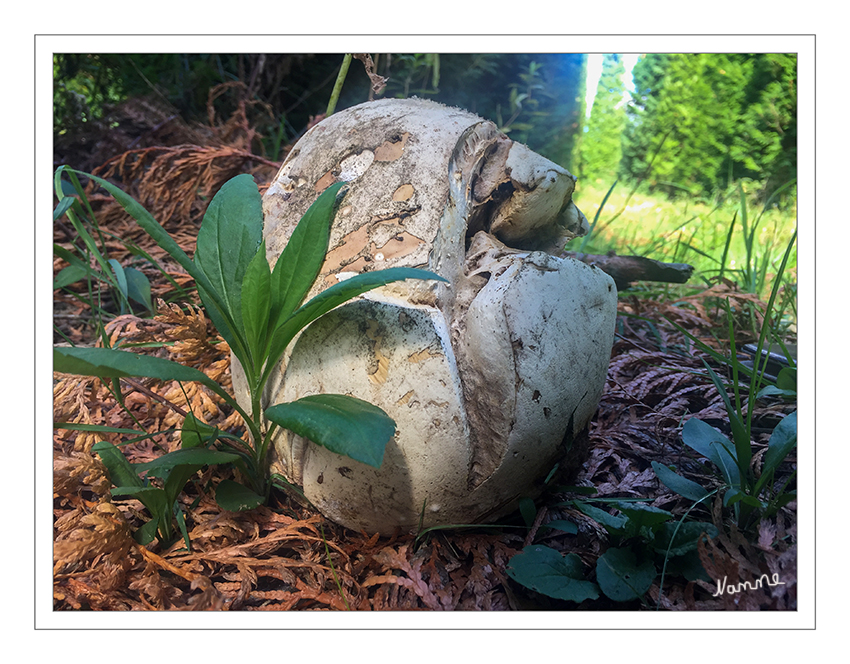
point(286, 555)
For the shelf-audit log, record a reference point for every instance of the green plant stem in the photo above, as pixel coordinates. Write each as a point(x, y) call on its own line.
point(333, 571)
point(766, 324)
point(673, 539)
point(340, 79)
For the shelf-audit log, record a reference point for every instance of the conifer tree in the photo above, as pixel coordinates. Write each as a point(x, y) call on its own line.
point(701, 121)
point(600, 144)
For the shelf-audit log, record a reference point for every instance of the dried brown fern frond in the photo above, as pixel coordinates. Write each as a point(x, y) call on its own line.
point(77, 472)
point(727, 291)
point(238, 130)
point(175, 183)
point(104, 534)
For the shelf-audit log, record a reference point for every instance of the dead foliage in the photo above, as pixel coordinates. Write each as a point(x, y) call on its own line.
point(174, 179)
point(287, 557)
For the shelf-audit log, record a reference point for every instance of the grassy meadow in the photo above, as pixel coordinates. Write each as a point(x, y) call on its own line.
point(744, 241)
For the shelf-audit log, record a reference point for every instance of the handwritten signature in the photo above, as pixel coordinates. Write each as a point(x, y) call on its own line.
point(732, 589)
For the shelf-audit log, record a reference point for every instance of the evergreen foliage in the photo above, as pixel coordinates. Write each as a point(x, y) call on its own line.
point(699, 122)
point(600, 146)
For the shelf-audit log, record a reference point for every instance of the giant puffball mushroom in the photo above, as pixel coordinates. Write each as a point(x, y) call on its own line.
point(487, 376)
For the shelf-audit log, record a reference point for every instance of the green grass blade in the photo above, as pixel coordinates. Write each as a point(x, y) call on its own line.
point(73, 426)
point(728, 243)
point(601, 207)
point(767, 315)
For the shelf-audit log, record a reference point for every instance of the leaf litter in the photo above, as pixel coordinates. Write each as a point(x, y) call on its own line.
point(275, 557)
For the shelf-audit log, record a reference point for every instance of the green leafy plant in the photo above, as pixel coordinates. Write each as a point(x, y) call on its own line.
point(750, 495)
point(87, 257)
point(522, 102)
point(172, 470)
point(258, 311)
point(643, 538)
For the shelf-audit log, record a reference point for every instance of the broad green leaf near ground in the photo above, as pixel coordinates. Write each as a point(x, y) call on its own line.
point(340, 423)
point(546, 571)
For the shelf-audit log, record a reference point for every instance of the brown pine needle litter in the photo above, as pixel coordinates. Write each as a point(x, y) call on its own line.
point(274, 557)
point(285, 556)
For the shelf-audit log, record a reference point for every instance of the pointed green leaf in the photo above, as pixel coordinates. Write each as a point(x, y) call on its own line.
point(175, 479)
point(196, 457)
point(685, 538)
point(787, 379)
point(612, 524)
point(774, 391)
point(707, 441)
point(156, 502)
point(228, 239)
point(138, 287)
point(563, 525)
point(675, 482)
point(643, 516)
point(343, 424)
point(70, 275)
point(733, 496)
point(120, 277)
point(546, 571)
point(298, 265)
point(181, 523)
point(235, 497)
point(622, 576)
point(782, 441)
point(146, 533)
point(111, 363)
point(256, 302)
point(196, 433)
point(121, 473)
point(62, 207)
point(528, 511)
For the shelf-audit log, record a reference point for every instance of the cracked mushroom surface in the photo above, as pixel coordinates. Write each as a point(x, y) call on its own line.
point(487, 377)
